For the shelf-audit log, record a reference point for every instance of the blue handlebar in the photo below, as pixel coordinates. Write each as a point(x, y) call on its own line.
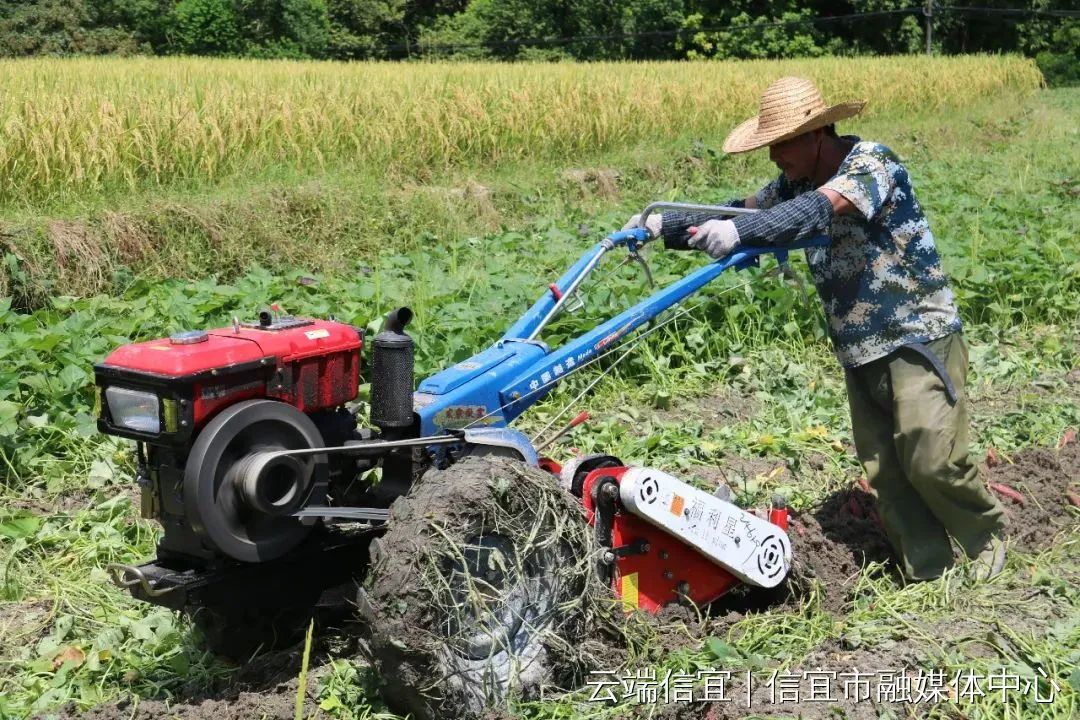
point(748, 256)
point(495, 386)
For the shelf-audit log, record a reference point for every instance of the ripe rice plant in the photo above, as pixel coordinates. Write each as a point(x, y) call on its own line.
point(73, 128)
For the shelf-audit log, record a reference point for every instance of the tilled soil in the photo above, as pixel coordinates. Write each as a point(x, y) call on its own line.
point(831, 544)
point(1043, 478)
point(265, 688)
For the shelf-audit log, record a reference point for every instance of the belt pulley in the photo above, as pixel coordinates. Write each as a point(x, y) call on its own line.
point(240, 494)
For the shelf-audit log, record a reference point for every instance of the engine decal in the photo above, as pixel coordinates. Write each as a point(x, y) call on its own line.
point(459, 416)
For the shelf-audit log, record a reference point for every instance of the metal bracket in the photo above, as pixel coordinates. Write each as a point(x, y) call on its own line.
point(128, 576)
point(638, 547)
point(576, 302)
point(346, 513)
point(644, 266)
point(509, 438)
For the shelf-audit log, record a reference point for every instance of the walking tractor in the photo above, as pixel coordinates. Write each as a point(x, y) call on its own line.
point(269, 489)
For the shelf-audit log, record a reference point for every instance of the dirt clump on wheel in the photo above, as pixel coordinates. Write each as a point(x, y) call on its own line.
point(485, 586)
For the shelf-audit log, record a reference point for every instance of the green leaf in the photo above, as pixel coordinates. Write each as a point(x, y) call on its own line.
point(20, 524)
point(180, 663)
point(1074, 680)
point(101, 473)
point(331, 703)
point(141, 630)
point(73, 376)
point(37, 421)
point(9, 417)
point(720, 649)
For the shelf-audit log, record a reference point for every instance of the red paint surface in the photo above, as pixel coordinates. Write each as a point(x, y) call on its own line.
point(707, 580)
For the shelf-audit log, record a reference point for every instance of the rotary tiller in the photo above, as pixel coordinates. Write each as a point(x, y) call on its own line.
point(263, 480)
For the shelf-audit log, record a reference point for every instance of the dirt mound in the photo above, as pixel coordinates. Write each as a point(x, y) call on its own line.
point(262, 689)
point(841, 535)
point(278, 703)
point(1042, 477)
point(833, 543)
point(481, 588)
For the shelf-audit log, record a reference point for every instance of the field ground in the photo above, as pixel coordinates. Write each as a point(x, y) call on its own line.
point(742, 389)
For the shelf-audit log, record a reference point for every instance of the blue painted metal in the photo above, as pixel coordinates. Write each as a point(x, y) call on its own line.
point(515, 440)
point(495, 386)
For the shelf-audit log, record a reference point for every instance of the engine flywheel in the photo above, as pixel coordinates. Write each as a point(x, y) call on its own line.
point(237, 499)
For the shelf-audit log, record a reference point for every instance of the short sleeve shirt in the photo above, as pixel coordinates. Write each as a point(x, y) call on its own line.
point(880, 279)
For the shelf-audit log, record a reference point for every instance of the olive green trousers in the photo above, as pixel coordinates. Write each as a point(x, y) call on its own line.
point(912, 440)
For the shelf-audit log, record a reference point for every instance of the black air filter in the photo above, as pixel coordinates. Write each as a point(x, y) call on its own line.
point(392, 374)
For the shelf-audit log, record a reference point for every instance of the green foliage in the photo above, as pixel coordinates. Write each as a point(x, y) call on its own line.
point(205, 27)
point(58, 27)
point(285, 28)
point(752, 37)
point(364, 28)
point(1058, 53)
point(511, 29)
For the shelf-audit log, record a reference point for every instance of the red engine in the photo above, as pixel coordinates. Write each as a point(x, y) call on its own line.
point(285, 378)
point(163, 391)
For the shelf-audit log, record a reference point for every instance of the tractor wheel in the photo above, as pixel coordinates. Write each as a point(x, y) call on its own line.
point(479, 590)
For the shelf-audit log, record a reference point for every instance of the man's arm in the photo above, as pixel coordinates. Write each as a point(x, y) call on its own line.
point(805, 216)
point(840, 204)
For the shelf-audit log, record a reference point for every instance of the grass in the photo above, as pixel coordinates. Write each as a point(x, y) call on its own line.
point(998, 182)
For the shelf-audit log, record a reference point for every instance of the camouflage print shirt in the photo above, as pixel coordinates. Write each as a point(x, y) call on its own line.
point(880, 279)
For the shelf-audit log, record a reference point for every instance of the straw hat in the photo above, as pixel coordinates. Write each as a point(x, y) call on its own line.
point(790, 106)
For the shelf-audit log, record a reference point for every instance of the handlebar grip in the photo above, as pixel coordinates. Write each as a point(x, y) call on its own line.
point(680, 243)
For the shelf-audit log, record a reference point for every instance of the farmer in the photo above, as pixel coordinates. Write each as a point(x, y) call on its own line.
point(890, 312)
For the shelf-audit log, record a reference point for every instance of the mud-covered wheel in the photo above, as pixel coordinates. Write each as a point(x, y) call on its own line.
point(479, 589)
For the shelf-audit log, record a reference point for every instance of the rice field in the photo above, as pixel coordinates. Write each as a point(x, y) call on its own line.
point(74, 128)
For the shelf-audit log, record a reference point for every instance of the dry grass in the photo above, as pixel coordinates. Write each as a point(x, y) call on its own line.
point(71, 128)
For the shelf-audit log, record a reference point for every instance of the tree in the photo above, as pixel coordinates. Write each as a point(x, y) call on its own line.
point(285, 28)
point(148, 21)
point(205, 27)
point(366, 28)
point(581, 30)
point(57, 27)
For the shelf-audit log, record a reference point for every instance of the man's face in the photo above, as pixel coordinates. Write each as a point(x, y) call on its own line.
point(798, 156)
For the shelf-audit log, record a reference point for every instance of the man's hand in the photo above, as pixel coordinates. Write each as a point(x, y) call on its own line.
point(716, 237)
point(653, 224)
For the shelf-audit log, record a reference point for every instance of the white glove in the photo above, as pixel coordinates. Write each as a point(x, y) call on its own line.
point(718, 238)
point(653, 224)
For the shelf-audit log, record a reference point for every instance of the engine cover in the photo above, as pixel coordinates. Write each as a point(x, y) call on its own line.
point(310, 364)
